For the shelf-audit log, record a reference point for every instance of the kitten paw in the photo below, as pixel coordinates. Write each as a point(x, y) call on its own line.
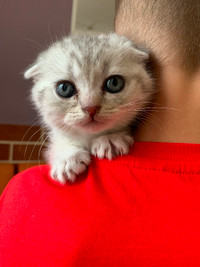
point(66, 169)
point(112, 145)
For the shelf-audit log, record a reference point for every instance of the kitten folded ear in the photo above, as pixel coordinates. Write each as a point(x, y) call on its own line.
point(142, 53)
point(32, 72)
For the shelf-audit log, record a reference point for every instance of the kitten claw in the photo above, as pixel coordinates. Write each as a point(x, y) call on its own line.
point(120, 152)
point(109, 146)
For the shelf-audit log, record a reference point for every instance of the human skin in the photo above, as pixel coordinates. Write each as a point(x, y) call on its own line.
point(175, 116)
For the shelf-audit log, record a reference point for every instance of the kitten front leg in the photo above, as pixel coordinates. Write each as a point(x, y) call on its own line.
point(67, 161)
point(111, 145)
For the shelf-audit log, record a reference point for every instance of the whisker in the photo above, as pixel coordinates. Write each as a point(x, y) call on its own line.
point(136, 124)
point(41, 146)
point(22, 140)
point(32, 41)
point(144, 107)
point(49, 31)
point(39, 140)
point(25, 151)
point(144, 117)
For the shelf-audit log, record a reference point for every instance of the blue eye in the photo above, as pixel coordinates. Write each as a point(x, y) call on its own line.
point(114, 84)
point(65, 89)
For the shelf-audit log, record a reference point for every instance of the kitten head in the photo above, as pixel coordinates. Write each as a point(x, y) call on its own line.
point(90, 83)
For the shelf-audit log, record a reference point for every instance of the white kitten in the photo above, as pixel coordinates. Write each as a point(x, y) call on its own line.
point(88, 89)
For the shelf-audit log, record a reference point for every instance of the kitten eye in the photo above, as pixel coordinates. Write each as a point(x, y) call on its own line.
point(65, 89)
point(114, 84)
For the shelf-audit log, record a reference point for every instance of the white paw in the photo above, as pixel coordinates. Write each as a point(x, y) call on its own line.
point(112, 145)
point(67, 168)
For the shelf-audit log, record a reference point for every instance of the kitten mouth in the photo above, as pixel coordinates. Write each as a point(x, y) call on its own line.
point(91, 123)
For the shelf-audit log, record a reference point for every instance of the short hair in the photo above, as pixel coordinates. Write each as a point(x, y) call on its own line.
point(170, 28)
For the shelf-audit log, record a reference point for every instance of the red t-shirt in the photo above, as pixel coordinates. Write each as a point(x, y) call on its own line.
point(139, 210)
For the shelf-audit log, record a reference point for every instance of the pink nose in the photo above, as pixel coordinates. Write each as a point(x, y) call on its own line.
point(92, 110)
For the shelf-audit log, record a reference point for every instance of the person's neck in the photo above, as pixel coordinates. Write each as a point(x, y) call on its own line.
point(175, 116)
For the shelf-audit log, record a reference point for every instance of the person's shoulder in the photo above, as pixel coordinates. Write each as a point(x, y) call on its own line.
point(31, 178)
point(36, 182)
point(36, 179)
point(34, 186)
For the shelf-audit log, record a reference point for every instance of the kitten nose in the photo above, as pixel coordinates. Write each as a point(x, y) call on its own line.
point(92, 110)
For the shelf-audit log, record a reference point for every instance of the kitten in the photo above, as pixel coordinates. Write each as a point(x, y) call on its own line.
point(88, 89)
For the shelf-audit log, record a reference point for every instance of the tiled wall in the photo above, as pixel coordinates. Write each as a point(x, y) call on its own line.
point(21, 144)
